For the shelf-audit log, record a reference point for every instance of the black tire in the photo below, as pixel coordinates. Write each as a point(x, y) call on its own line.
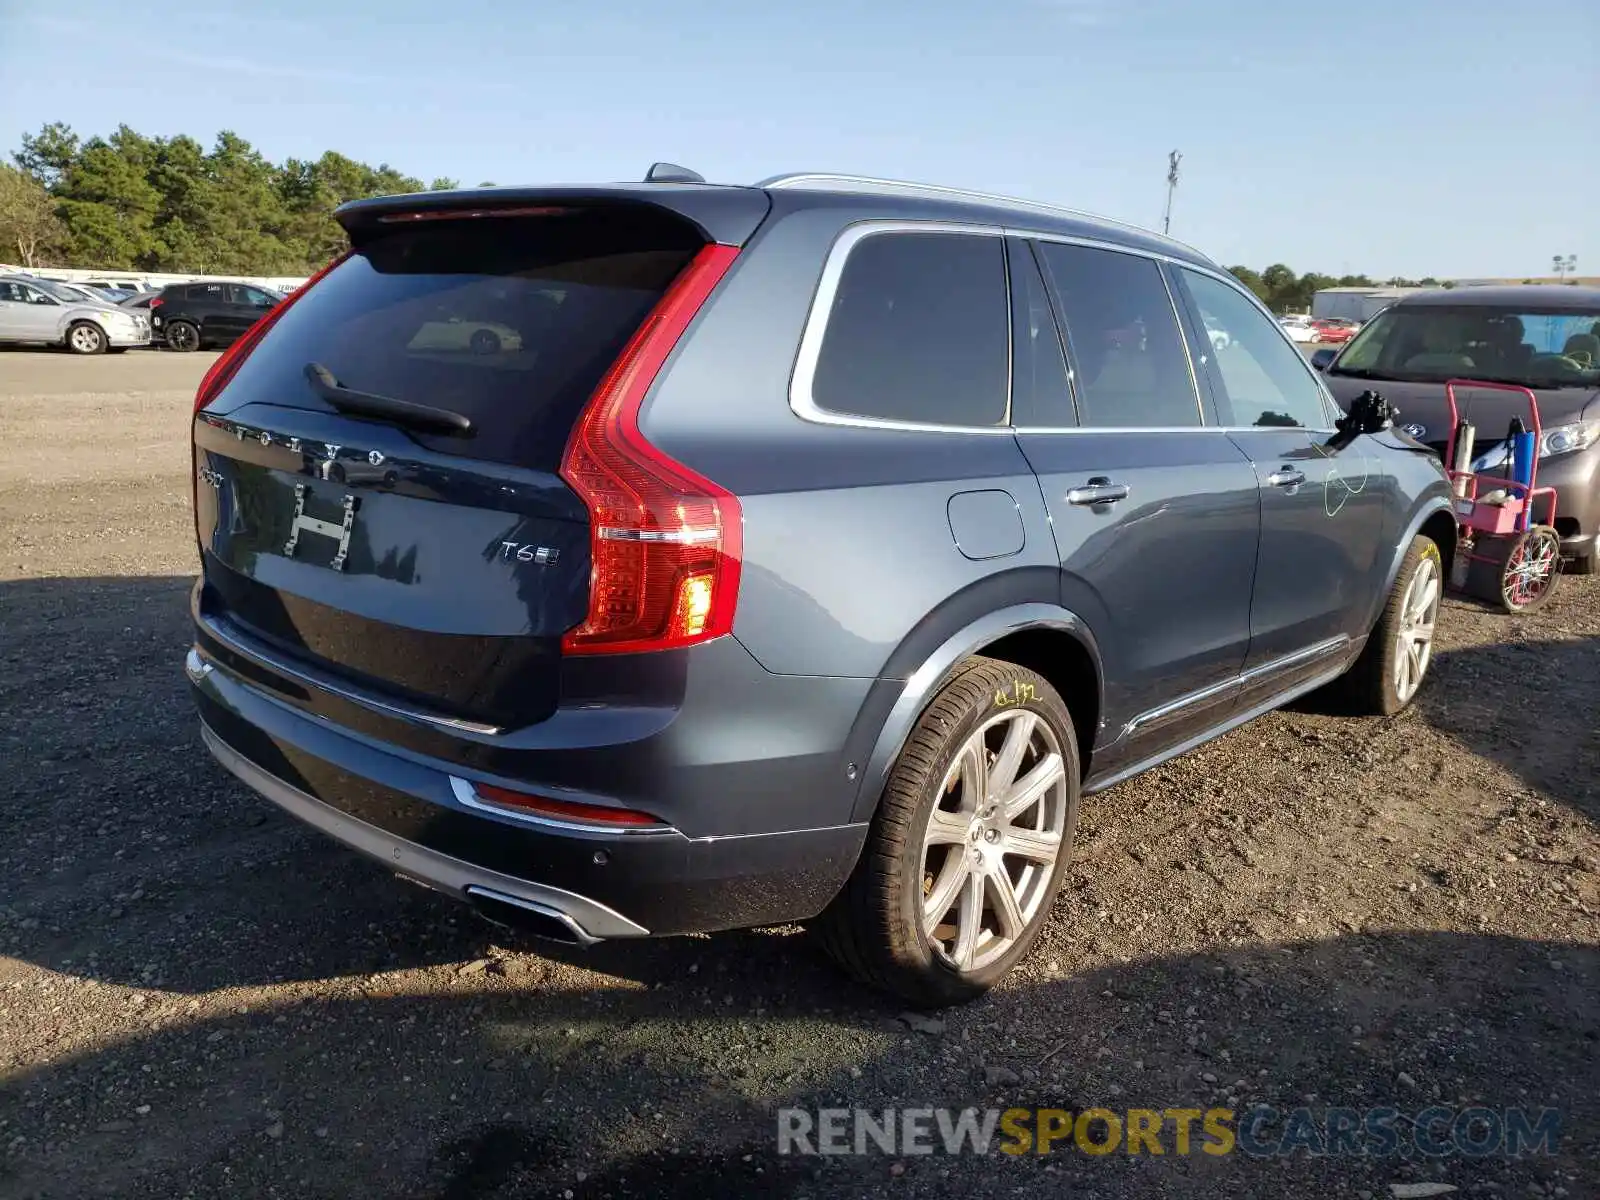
point(85, 337)
point(1584, 564)
point(484, 341)
point(183, 336)
point(1369, 686)
point(875, 928)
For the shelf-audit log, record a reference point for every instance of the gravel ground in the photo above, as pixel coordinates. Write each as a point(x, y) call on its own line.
point(200, 998)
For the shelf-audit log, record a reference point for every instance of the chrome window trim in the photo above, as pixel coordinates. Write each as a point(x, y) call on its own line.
point(801, 381)
point(1172, 301)
point(804, 406)
point(1172, 429)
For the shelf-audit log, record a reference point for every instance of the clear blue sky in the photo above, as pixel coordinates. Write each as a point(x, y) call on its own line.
point(1414, 137)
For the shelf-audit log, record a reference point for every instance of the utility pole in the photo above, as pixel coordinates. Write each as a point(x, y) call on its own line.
point(1172, 186)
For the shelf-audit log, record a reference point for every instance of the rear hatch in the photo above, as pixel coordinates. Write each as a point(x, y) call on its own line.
point(390, 554)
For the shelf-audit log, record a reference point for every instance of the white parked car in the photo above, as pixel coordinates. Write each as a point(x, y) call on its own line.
point(34, 310)
point(1299, 329)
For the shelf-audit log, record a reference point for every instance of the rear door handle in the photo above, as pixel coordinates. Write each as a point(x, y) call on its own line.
point(1098, 490)
point(1286, 477)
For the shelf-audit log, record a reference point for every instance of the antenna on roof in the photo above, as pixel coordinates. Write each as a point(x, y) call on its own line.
point(665, 172)
point(1172, 186)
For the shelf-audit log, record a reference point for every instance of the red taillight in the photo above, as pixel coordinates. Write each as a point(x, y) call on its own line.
point(224, 368)
point(665, 541)
point(157, 302)
point(563, 810)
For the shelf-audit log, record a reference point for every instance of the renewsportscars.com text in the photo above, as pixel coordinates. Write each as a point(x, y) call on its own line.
point(1260, 1132)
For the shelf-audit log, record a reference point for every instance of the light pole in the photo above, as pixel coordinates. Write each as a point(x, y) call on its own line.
point(1172, 186)
point(1564, 266)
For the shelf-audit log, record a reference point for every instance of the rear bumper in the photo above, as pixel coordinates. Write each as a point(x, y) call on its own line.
point(404, 809)
point(589, 920)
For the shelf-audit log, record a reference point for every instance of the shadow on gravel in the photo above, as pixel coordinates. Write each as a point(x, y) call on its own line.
point(131, 858)
point(502, 1087)
point(1478, 696)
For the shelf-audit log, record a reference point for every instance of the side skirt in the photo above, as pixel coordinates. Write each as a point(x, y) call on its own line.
point(1099, 783)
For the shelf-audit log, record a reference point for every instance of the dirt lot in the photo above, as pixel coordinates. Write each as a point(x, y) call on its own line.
point(200, 998)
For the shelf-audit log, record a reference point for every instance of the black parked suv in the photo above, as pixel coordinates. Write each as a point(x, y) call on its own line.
point(189, 316)
point(797, 552)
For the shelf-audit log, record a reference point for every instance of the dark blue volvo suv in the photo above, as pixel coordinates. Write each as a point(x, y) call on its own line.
point(643, 559)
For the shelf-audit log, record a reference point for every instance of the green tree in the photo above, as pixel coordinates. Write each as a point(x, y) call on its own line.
point(444, 184)
point(1281, 284)
point(1251, 279)
point(49, 154)
point(311, 191)
point(28, 221)
point(108, 206)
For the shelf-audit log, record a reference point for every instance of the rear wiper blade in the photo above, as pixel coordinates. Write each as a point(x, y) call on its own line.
point(368, 404)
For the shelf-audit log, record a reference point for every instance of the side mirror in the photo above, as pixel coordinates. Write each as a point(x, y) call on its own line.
point(1369, 413)
point(1323, 358)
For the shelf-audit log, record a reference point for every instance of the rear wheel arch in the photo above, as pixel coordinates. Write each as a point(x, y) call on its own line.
point(1065, 660)
point(1040, 636)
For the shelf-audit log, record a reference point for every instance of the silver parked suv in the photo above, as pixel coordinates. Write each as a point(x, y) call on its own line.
point(630, 560)
point(36, 310)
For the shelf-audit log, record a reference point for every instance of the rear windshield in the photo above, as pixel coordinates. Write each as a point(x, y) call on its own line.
point(1429, 343)
point(510, 321)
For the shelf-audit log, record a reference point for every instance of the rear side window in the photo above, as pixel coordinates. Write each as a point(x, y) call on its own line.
point(1127, 352)
point(510, 321)
point(253, 297)
point(207, 291)
point(918, 331)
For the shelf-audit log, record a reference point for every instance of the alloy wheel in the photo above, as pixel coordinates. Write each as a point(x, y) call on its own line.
point(992, 839)
point(1419, 613)
point(85, 339)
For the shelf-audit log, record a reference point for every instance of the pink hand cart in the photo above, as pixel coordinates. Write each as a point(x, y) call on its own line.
point(1503, 555)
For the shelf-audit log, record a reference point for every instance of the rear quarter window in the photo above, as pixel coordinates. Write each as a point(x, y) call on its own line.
point(510, 321)
point(918, 331)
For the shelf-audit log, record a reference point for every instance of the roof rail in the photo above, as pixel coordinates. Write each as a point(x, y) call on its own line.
point(824, 180)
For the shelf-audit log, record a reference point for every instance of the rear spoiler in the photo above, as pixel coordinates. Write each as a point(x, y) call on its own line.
point(728, 215)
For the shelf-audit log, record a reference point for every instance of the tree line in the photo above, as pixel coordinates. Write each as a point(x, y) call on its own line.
point(133, 202)
point(1281, 290)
